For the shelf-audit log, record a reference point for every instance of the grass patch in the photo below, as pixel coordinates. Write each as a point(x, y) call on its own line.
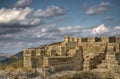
point(83, 75)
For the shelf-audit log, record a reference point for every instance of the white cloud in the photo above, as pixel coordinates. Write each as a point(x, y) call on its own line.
point(23, 3)
point(99, 9)
point(48, 33)
point(117, 27)
point(13, 15)
point(100, 29)
point(25, 16)
point(18, 17)
point(51, 32)
point(50, 12)
point(70, 28)
point(36, 21)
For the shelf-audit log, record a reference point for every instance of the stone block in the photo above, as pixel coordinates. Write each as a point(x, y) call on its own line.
point(105, 39)
point(118, 39)
point(102, 66)
point(66, 39)
point(91, 40)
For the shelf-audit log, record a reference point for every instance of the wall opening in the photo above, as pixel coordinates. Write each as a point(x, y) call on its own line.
point(112, 39)
point(84, 39)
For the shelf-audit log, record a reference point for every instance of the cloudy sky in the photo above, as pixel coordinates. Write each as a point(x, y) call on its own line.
point(29, 23)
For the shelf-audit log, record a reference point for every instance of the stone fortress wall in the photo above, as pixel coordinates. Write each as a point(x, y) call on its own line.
point(76, 54)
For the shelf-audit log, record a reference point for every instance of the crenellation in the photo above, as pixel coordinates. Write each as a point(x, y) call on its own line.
point(105, 39)
point(91, 40)
point(97, 39)
point(84, 39)
point(118, 39)
point(79, 40)
point(112, 39)
point(71, 39)
point(66, 39)
point(38, 52)
point(76, 39)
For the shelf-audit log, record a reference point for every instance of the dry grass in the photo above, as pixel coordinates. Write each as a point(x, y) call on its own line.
point(83, 75)
point(17, 64)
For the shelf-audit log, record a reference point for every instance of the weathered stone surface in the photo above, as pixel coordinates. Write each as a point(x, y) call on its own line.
point(77, 54)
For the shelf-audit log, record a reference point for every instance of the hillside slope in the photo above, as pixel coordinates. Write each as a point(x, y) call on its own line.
point(5, 55)
point(12, 62)
point(16, 60)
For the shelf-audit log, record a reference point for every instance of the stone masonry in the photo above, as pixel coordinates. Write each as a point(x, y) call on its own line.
point(76, 54)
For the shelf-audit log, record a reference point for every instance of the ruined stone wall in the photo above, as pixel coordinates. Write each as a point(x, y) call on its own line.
point(83, 53)
point(113, 64)
point(71, 62)
point(31, 57)
point(59, 63)
point(78, 58)
point(94, 49)
point(92, 54)
point(27, 59)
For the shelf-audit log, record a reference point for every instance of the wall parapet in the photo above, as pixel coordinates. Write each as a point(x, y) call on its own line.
point(111, 39)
